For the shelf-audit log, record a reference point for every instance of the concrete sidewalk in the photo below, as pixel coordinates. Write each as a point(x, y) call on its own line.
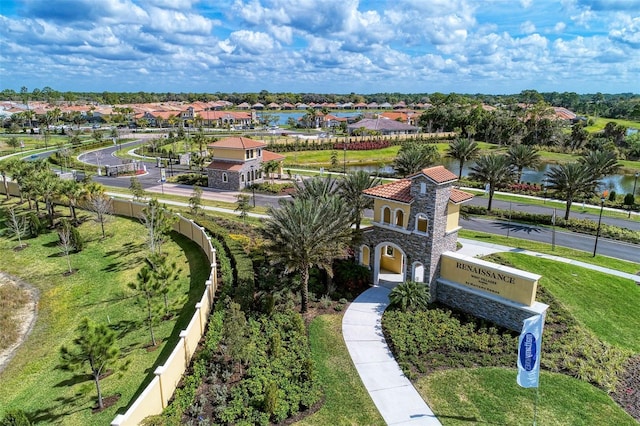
point(393, 394)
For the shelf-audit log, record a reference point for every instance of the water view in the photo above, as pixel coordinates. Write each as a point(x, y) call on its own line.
point(621, 184)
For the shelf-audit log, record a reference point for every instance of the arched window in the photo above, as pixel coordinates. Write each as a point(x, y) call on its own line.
point(241, 177)
point(423, 188)
point(422, 224)
point(399, 218)
point(225, 178)
point(386, 215)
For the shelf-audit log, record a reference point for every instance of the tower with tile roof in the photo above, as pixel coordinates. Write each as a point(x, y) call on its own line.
point(415, 221)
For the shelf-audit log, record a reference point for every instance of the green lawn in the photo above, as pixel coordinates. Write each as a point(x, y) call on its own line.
point(346, 400)
point(605, 304)
point(97, 290)
point(491, 396)
point(601, 122)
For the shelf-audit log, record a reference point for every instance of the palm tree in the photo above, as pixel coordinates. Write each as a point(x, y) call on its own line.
point(601, 163)
point(462, 150)
point(414, 157)
point(73, 191)
point(308, 232)
point(571, 180)
point(351, 187)
point(316, 188)
point(521, 156)
point(494, 171)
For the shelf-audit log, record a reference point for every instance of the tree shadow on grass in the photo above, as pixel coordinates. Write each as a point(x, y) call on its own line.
point(195, 260)
point(46, 415)
point(127, 249)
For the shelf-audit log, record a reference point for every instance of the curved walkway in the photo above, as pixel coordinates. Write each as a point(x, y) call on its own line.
point(397, 400)
point(393, 394)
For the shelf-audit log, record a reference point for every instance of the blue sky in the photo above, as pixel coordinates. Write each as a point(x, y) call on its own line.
point(321, 46)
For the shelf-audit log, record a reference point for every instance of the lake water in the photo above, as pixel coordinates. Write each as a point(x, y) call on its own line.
point(621, 184)
point(284, 116)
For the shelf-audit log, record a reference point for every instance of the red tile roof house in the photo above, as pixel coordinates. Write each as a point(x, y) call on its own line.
point(237, 163)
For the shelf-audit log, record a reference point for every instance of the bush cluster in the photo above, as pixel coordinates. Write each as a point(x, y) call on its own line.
point(191, 179)
point(261, 373)
point(362, 146)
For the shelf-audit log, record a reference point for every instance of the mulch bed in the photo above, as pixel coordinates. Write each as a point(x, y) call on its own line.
point(627, 393)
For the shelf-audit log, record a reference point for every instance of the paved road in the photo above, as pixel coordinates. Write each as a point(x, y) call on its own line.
point(606, 247)
point(626, 251)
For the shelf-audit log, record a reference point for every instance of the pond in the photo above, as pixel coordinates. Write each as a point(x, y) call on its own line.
point(621, 184)
point(283, 116)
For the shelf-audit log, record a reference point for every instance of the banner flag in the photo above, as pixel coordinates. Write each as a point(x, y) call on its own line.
point(529, 345)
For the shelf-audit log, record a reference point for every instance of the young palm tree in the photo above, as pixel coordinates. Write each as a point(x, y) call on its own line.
point(351, 187)
point(494, 171)
point(521, 156)
point(414, 157)
point(462, 150)
point(601, 163)
point(308, 232)
point(571, 180)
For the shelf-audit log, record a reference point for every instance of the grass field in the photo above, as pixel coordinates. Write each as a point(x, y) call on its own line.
point(491, 396)
point(601, 122)
point(346, 400)
point(98, 289)
point(604, 304)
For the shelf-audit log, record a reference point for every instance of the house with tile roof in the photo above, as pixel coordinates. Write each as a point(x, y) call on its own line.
point(415, 220)
point(383, 125)
point(237, 163)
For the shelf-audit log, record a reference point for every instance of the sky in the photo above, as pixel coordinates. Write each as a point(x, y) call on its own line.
point(321, 46)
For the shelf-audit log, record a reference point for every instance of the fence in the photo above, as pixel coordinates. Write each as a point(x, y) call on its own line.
point(156, 395)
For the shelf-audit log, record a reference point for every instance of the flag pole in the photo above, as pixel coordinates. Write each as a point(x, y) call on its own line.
point(535, 405)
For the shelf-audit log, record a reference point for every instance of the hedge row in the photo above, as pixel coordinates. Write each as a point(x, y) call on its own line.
point(241, 264)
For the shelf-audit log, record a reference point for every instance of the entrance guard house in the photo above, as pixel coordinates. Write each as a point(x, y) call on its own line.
point(415, 220)
point(237, 163)
point(413, 237)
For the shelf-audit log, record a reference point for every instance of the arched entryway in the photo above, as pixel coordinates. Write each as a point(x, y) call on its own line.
point(389, 265)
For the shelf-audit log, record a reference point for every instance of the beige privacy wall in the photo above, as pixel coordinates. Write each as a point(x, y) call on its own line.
point(157, 394)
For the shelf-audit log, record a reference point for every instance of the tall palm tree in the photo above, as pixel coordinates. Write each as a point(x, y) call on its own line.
point(73, 192)
point(571, 180)
point(4, 169)
point(521, 156)
point(351, 187)
point(308, 232)
point(494, 171)
point(463, 150)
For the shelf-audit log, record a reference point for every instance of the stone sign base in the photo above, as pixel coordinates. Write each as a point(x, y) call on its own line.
point(496, 309)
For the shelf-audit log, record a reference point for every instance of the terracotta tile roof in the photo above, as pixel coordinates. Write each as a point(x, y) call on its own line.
point(270, 156)
point(237, 143)
point(396, 191)
point(458, 196)
point(438, 174)
point(223, 165)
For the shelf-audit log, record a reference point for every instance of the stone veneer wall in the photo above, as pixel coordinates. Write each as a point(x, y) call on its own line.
point(215, 180)
point(492, 308)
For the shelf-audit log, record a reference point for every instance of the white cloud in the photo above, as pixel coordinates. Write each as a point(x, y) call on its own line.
point(252, 42)
point(528, 27)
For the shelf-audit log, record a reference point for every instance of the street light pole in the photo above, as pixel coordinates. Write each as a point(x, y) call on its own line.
point(635, 181)
point(253, 187)
point(344, 159)
point(595, 246)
